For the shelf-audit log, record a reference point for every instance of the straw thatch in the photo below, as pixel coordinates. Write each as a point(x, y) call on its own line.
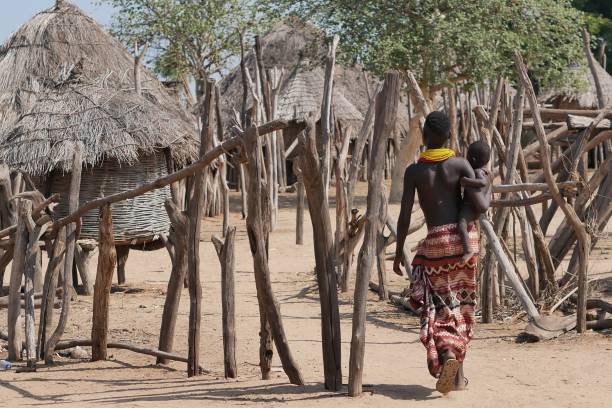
point(584, 97)
point(287, 45)
point(65, 81)
point(301, 95)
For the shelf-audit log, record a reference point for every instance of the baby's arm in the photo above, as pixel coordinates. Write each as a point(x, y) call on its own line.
point(473, 182)
point(480, 198)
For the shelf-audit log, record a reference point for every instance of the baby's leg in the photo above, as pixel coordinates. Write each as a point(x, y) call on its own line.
point(466, 215)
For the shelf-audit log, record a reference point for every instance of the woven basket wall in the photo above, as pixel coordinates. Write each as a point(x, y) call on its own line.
point(136, 220)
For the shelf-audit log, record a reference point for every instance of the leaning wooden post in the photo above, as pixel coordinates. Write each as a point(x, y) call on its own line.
point(314, 183)
point(586, 47)
point(177, 247)
point(584, 240)
point(515, 280)
point(386, 114)
point(14, 308)
point(107, 258)
point(257, 219)
point(54, 268)
point(225, 252)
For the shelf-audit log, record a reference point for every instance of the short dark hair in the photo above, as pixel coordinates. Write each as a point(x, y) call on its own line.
point(479, 154)
point(437, 129)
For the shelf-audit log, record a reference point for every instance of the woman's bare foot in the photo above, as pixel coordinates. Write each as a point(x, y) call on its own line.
point(461, 381)
point(446, 380)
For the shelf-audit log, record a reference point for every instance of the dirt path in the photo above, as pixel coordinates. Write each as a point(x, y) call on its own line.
point(571, 371)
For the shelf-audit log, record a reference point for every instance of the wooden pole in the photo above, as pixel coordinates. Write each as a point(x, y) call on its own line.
point(258, 239)
point(452, 112)
point(326, 114)
point(314, 183)
point(225, 252)
point(177, 247)
point(31, 266)
point(380, 249)
point(123, 252)
point(195, 212)
point(73, 204)
point(514, 279)
point(107, 258)
point(386, 114)
point(586, 47)
point(579, 228)
point(82, 258)
point(14, 307)
point(54, 269)
point(360, 143)
point(299, 215)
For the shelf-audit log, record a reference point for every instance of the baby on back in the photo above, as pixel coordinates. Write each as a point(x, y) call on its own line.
point(477, 193)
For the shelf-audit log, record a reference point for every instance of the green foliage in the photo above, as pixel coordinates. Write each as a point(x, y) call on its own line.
point(195, 38)
point(446, 41)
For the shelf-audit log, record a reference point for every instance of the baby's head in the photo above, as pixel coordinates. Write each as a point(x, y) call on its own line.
point(478, 154)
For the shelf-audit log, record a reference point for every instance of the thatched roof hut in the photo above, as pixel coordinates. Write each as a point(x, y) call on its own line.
point(288, 45)
point(65, 81)
point(586, 98)
point(301, 95)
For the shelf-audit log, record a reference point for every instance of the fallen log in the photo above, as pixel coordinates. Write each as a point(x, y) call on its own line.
point(403, 302)
point(374, 287)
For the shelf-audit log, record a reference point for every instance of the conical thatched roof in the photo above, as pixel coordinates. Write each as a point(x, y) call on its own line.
point(286, 46)
point(584, 98)
point(64, 80)
point(302, 93)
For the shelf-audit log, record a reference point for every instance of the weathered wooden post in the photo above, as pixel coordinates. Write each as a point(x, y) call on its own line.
point(107, 259)
point(54, 269)
point(326, 114)
point(225, 252)
point(257, 229)
point(194, 210)
point(584, 240)
point(122, 251)
point(177, 248)
point(31, 268)
point(314, 183)
point(73, 204)
point(14, 308)
point(386, 114)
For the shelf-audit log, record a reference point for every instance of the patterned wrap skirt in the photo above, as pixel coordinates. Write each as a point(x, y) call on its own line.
point(444, 291)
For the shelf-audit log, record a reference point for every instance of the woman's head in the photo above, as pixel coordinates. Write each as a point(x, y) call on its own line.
point(436, 130)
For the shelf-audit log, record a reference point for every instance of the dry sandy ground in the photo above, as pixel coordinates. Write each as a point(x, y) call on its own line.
point(572, 371)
